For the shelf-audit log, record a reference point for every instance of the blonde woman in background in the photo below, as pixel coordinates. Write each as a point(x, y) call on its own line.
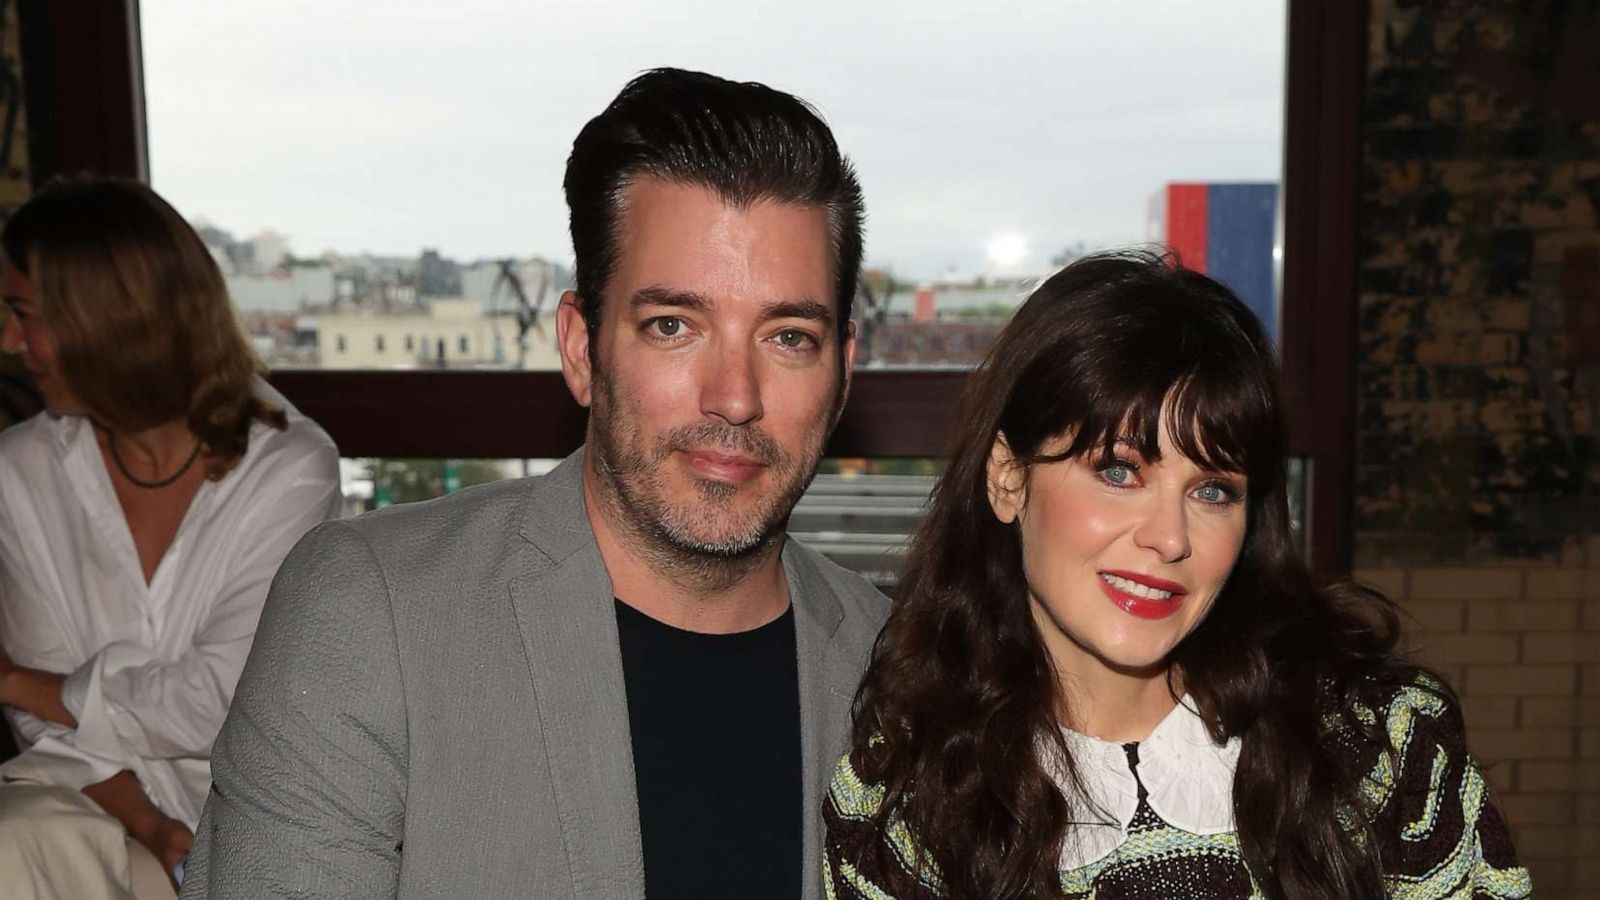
point(142, 517)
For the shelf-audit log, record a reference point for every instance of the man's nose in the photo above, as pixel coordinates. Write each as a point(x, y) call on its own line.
point(732, 387)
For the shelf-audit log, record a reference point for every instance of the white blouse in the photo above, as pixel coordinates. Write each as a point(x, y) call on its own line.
point(1188, 781)
point(152, 666)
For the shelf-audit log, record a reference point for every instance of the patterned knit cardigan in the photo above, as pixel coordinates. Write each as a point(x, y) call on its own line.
point(1442, 837)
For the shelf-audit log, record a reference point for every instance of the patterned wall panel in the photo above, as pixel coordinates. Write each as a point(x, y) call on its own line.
point(1478, 368)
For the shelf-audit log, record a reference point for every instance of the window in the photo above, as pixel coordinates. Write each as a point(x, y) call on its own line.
point(989, 153)
point(380, 343)
point(341, 343)
point(410, 343)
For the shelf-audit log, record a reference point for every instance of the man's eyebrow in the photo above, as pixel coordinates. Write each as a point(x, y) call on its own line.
point(660, 296)
point(798, 309)
point(804, 308)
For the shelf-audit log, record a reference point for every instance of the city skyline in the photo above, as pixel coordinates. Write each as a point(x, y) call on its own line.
point(388, 128)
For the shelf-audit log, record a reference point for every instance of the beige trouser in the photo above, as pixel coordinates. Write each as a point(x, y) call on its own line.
point(56, 844)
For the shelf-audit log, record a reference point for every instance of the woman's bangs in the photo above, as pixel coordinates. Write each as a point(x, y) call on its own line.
point(1099, 421)
point(1223, 422)
point(1220, 422)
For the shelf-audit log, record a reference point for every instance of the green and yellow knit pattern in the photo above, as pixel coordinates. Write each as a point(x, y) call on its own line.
point(1441, 836)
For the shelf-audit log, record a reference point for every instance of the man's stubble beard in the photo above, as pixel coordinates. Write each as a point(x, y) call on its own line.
point(674, 539)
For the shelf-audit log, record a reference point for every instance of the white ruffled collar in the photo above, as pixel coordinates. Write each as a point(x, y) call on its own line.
point(1188, 781)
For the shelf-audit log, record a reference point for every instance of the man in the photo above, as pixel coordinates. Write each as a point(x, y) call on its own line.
point(621, 677)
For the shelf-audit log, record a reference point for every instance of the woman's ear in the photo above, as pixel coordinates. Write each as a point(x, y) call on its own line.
point(1008, 482)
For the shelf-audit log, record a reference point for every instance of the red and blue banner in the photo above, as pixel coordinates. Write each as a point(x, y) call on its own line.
point(1227, 230)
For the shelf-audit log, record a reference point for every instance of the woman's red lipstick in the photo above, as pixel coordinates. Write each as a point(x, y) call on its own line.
point(1144, 607)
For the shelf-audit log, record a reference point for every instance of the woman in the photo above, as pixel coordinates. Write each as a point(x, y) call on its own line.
point(1108, 672)
point(142, 516)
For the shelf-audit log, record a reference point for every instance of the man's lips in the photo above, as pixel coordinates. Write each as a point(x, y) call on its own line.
point(721, 466)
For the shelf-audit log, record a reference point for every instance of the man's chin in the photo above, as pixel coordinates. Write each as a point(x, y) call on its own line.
point(711, 550)
point(688, 532)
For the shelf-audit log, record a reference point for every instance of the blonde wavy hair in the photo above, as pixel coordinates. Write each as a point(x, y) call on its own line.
point(144, 331)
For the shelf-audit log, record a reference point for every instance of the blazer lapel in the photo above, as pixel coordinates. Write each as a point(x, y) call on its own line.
point(569, 630)
point(827, 685)
point(568, 622)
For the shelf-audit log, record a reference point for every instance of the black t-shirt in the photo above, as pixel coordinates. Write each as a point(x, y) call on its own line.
point(715, 721)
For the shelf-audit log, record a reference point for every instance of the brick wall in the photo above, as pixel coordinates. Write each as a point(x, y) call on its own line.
point(1522, 646)
point(1477, 494)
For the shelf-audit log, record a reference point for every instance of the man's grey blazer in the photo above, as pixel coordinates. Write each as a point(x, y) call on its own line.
point(434, 707)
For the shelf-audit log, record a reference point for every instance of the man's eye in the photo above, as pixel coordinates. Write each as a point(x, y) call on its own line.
point(794, 339)
point(668, 326)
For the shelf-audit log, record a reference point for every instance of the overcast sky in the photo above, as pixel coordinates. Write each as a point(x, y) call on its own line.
point(393, 125)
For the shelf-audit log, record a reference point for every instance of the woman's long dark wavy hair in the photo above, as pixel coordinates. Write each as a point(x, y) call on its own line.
point(960, 702)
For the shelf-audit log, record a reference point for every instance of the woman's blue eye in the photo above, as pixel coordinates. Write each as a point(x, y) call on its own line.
point(1215, 493)
point(1117, 473)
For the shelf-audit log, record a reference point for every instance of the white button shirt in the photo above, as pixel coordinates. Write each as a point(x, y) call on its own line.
point(152, 667)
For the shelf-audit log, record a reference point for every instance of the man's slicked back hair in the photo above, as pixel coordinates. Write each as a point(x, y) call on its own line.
point(743, 140)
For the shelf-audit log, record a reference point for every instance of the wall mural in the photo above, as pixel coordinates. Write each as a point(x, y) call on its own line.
point(1478, 370)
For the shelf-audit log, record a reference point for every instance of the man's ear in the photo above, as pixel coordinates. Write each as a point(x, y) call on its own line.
point(572, 339)
point(1008, 482)
point(849, 361)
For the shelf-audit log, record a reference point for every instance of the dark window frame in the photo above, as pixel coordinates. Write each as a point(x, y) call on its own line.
point(1326, 72)
point(83, 55)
